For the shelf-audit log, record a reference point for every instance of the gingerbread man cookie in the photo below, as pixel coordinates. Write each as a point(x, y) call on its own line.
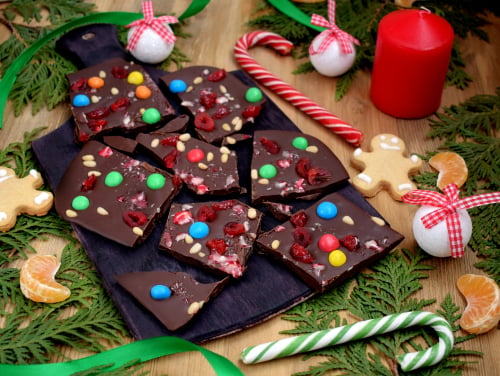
point(385, 167)
point(18, 196)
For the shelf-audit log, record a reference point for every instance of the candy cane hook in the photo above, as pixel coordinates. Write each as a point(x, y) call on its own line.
point(283, 46)
point(359, 330)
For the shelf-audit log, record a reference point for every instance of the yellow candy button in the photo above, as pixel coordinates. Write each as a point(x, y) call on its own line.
point(135, 78)
point(337, 258)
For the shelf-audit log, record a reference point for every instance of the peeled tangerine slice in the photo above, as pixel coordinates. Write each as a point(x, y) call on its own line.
point(38, 282)
point(452, 169)
point(482, 294)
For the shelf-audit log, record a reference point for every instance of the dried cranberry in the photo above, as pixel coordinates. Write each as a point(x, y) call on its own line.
point(317, 175)
point(78, 85)
point(234, 229)
point(206, 214)
point(207, 98)
point(183, 217)
point(119, 72)
point(302, 167)
point(217, 245)
point(97, 125)
point(217, 75)
point(350, 242)
point(89, 183)
point(170, 140)
point(170, 160)
point(82, 136)
point(203, 121)
point(302, 236)
point(301, 254)
point(223, 205)
point(98, 113)
point(120, 104)
point(299, 219)
point(221, 112)
point(270, 145)
point(176, 181)
point(251, 112)
point(134, 218)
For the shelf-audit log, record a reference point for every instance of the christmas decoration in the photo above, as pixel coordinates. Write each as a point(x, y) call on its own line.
point(332, 52)
point(151, 39)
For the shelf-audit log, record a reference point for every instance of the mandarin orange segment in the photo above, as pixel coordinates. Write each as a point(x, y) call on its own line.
point(482, 294)
point(37, 280)
point(451, 167)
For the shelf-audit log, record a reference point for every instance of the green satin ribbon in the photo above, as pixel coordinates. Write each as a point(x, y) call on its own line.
point(115, 18)
point(138, 352)
point(288, 8)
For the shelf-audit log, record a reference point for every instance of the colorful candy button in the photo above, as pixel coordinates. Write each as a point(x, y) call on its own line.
point(328, 242)
point(113, 179)
point(327, 210)
point(160, 292)
point(142, 92)
point(199, 230)
point(300, 143)
point(267, 171)
point(95, 82)
point(337, 258)
point(195, 155)
point(253, 95)
point(135, 78)
point(151, 116)
point(155, 181)
point(177, 86)
point(81, 100)
point(80, 203)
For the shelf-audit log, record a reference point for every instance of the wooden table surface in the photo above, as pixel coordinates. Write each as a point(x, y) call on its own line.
point(214, 32)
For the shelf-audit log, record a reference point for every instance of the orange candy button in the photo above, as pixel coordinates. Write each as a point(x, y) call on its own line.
point(142, 92)
point(37, 280)
point(95, 82)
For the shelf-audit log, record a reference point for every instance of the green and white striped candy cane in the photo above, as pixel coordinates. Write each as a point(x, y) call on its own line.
point(363, 329)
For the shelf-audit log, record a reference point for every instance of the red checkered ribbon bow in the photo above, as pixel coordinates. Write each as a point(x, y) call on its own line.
point(333, 33)
point(149, 21)
point(447, 205)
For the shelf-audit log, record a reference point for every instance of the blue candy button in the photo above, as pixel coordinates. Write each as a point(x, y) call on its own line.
point(160, 292)
point(326, 210)
point(199, 230)
point(177, 86)
point(81, 100)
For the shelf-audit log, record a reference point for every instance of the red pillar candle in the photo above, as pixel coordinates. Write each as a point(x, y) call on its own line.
point(412, 54)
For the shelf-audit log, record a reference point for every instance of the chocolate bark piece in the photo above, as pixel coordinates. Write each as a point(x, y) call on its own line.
point(306, 243)
point(204, 168)
point(114, 195)
point(220, 103)
point(218, 236)
point(290, 165)
point(121, 143)
point(173, 297)
point(115, 96)
point(282, 212)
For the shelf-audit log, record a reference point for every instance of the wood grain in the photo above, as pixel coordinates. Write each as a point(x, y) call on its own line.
point(214, 32)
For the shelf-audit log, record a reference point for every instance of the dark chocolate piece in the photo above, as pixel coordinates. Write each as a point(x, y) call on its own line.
point(288, 165)
point(204, 168)
point(173, 297)
point(114, 195)
point(214, 235)
point(305, 243)
point(115, 95)
point(220, 103)
point(282, 212)
point(121, 143)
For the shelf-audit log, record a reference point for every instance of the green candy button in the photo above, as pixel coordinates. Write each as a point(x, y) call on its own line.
point(155, 181)
point(267, 171)
point(80, 203)
point(113, 179)
point(151, 116)
point(300, 143)
point(253, 95)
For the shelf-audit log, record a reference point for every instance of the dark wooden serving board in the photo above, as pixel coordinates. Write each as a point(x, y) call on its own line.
point(265, 290)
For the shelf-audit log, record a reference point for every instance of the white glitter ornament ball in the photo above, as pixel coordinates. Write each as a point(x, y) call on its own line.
point(333, 61)
point(151, 48)
point(435, 240)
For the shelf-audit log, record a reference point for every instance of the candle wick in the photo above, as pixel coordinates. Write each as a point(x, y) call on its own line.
point(426, 9)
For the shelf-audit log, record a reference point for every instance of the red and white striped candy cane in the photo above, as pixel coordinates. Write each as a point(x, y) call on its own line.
point(284, 47)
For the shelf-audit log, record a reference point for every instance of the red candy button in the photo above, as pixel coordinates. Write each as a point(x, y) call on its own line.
point(195, 155)
point(328, 243)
